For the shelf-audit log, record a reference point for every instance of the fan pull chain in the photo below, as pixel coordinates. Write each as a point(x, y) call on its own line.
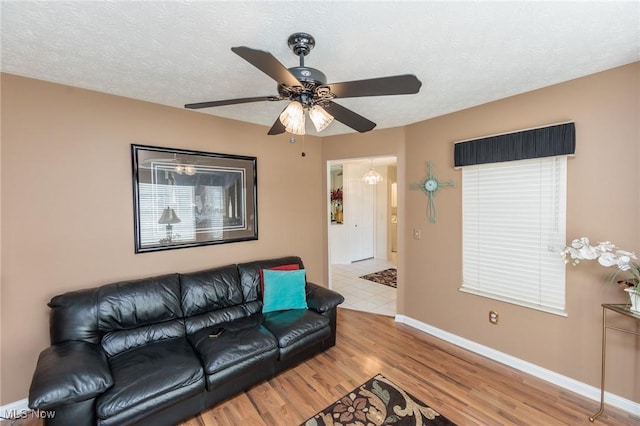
point(293, 140)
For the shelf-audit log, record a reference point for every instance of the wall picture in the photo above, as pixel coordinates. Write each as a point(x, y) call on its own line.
point(188, 198)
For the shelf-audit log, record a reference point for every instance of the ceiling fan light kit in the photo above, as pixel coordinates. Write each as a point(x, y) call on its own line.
point(320, 118)
point(307, 90)
point(292, 118)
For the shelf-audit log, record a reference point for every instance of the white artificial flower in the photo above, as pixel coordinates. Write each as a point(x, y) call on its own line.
point(624, 263)
point(588, 253)
point(608, 259)
point(606, 246)
point(580, 242)
point(607, 254)
point(631, 254)
point(570, 254)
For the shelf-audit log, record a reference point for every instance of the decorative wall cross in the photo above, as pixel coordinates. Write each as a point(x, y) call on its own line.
point(430, 185)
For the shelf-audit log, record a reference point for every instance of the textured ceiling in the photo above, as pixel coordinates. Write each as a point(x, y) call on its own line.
point(172, 53)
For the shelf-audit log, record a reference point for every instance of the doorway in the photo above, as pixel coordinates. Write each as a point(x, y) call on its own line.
point(362, 231)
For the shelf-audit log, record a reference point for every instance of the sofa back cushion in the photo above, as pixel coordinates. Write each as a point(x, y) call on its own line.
point(74, 316)
point(134, 313)
point(118, 341)
point(210, 290)
point(250, 274)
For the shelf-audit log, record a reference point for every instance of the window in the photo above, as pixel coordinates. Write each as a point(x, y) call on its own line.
point(514, 217)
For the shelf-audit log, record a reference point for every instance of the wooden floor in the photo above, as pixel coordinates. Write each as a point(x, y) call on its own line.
point(467, 388)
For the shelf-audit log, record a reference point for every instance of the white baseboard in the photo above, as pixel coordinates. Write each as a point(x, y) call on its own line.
point(565, 382)
point(14, 409)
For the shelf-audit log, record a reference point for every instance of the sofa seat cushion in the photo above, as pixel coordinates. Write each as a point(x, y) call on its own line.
point(242, 340)
point(145, 377)
point(296, 329)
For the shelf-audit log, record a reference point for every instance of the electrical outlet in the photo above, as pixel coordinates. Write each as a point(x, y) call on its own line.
point(493, 317)
point(417, 234)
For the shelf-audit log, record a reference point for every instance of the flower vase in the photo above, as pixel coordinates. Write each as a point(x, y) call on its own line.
point(634, 295)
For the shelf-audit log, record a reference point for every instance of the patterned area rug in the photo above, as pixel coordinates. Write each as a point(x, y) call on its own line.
point(387, 277)
point(378, 402)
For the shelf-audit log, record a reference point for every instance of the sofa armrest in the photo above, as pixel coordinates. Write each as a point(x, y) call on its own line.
point(322, 299)
point(69, 372)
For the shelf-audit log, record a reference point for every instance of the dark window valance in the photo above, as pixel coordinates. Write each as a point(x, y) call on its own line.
point(548, 141)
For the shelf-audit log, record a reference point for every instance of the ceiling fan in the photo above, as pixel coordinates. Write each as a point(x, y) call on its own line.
point(308, 90)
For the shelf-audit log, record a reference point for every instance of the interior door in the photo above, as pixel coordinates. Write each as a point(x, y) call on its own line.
point(361, 215)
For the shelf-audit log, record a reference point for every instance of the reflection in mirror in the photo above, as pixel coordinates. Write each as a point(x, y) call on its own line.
point(337, 194)
point(188, 198)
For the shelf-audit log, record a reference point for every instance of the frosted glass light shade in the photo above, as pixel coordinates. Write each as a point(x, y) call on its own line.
point(187, 169)
point(320, 117)
point(293, 118)
point(372, 177)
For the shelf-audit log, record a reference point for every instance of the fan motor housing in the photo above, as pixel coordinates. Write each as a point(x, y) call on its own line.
point(309, 75)
point(310, 79)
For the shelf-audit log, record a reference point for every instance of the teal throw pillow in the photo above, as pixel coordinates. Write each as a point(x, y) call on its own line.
point(284, 290)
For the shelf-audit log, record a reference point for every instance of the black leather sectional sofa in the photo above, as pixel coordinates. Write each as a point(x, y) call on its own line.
point(140, 352)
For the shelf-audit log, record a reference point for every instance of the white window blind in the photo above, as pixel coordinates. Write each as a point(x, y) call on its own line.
point(514, 220)
point(154, 198)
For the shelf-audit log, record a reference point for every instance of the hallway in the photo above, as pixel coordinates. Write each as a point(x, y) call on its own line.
point(364, 295)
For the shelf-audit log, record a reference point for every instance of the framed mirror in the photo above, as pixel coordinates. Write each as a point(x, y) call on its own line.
point(189, 198)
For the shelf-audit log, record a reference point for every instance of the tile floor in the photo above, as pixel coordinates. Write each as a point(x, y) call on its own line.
point(363, 295)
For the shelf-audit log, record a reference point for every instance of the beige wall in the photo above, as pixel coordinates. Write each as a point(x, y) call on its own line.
point(603, 203)
point(67, 211)
point(67, 220)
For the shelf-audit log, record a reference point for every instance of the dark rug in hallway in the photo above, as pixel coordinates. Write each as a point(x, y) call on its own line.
point(387, 277)
point(378, 402)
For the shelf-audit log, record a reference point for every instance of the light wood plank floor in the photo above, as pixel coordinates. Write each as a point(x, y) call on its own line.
point(467, 388)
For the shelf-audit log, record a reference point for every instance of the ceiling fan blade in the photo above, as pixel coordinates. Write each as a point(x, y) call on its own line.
point(395, 85)
point(277, 127)
point(268, 64)
point(231, 102)
point(348, 117)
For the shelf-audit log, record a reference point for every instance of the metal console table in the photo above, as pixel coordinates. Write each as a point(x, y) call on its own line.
point(622, 309)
